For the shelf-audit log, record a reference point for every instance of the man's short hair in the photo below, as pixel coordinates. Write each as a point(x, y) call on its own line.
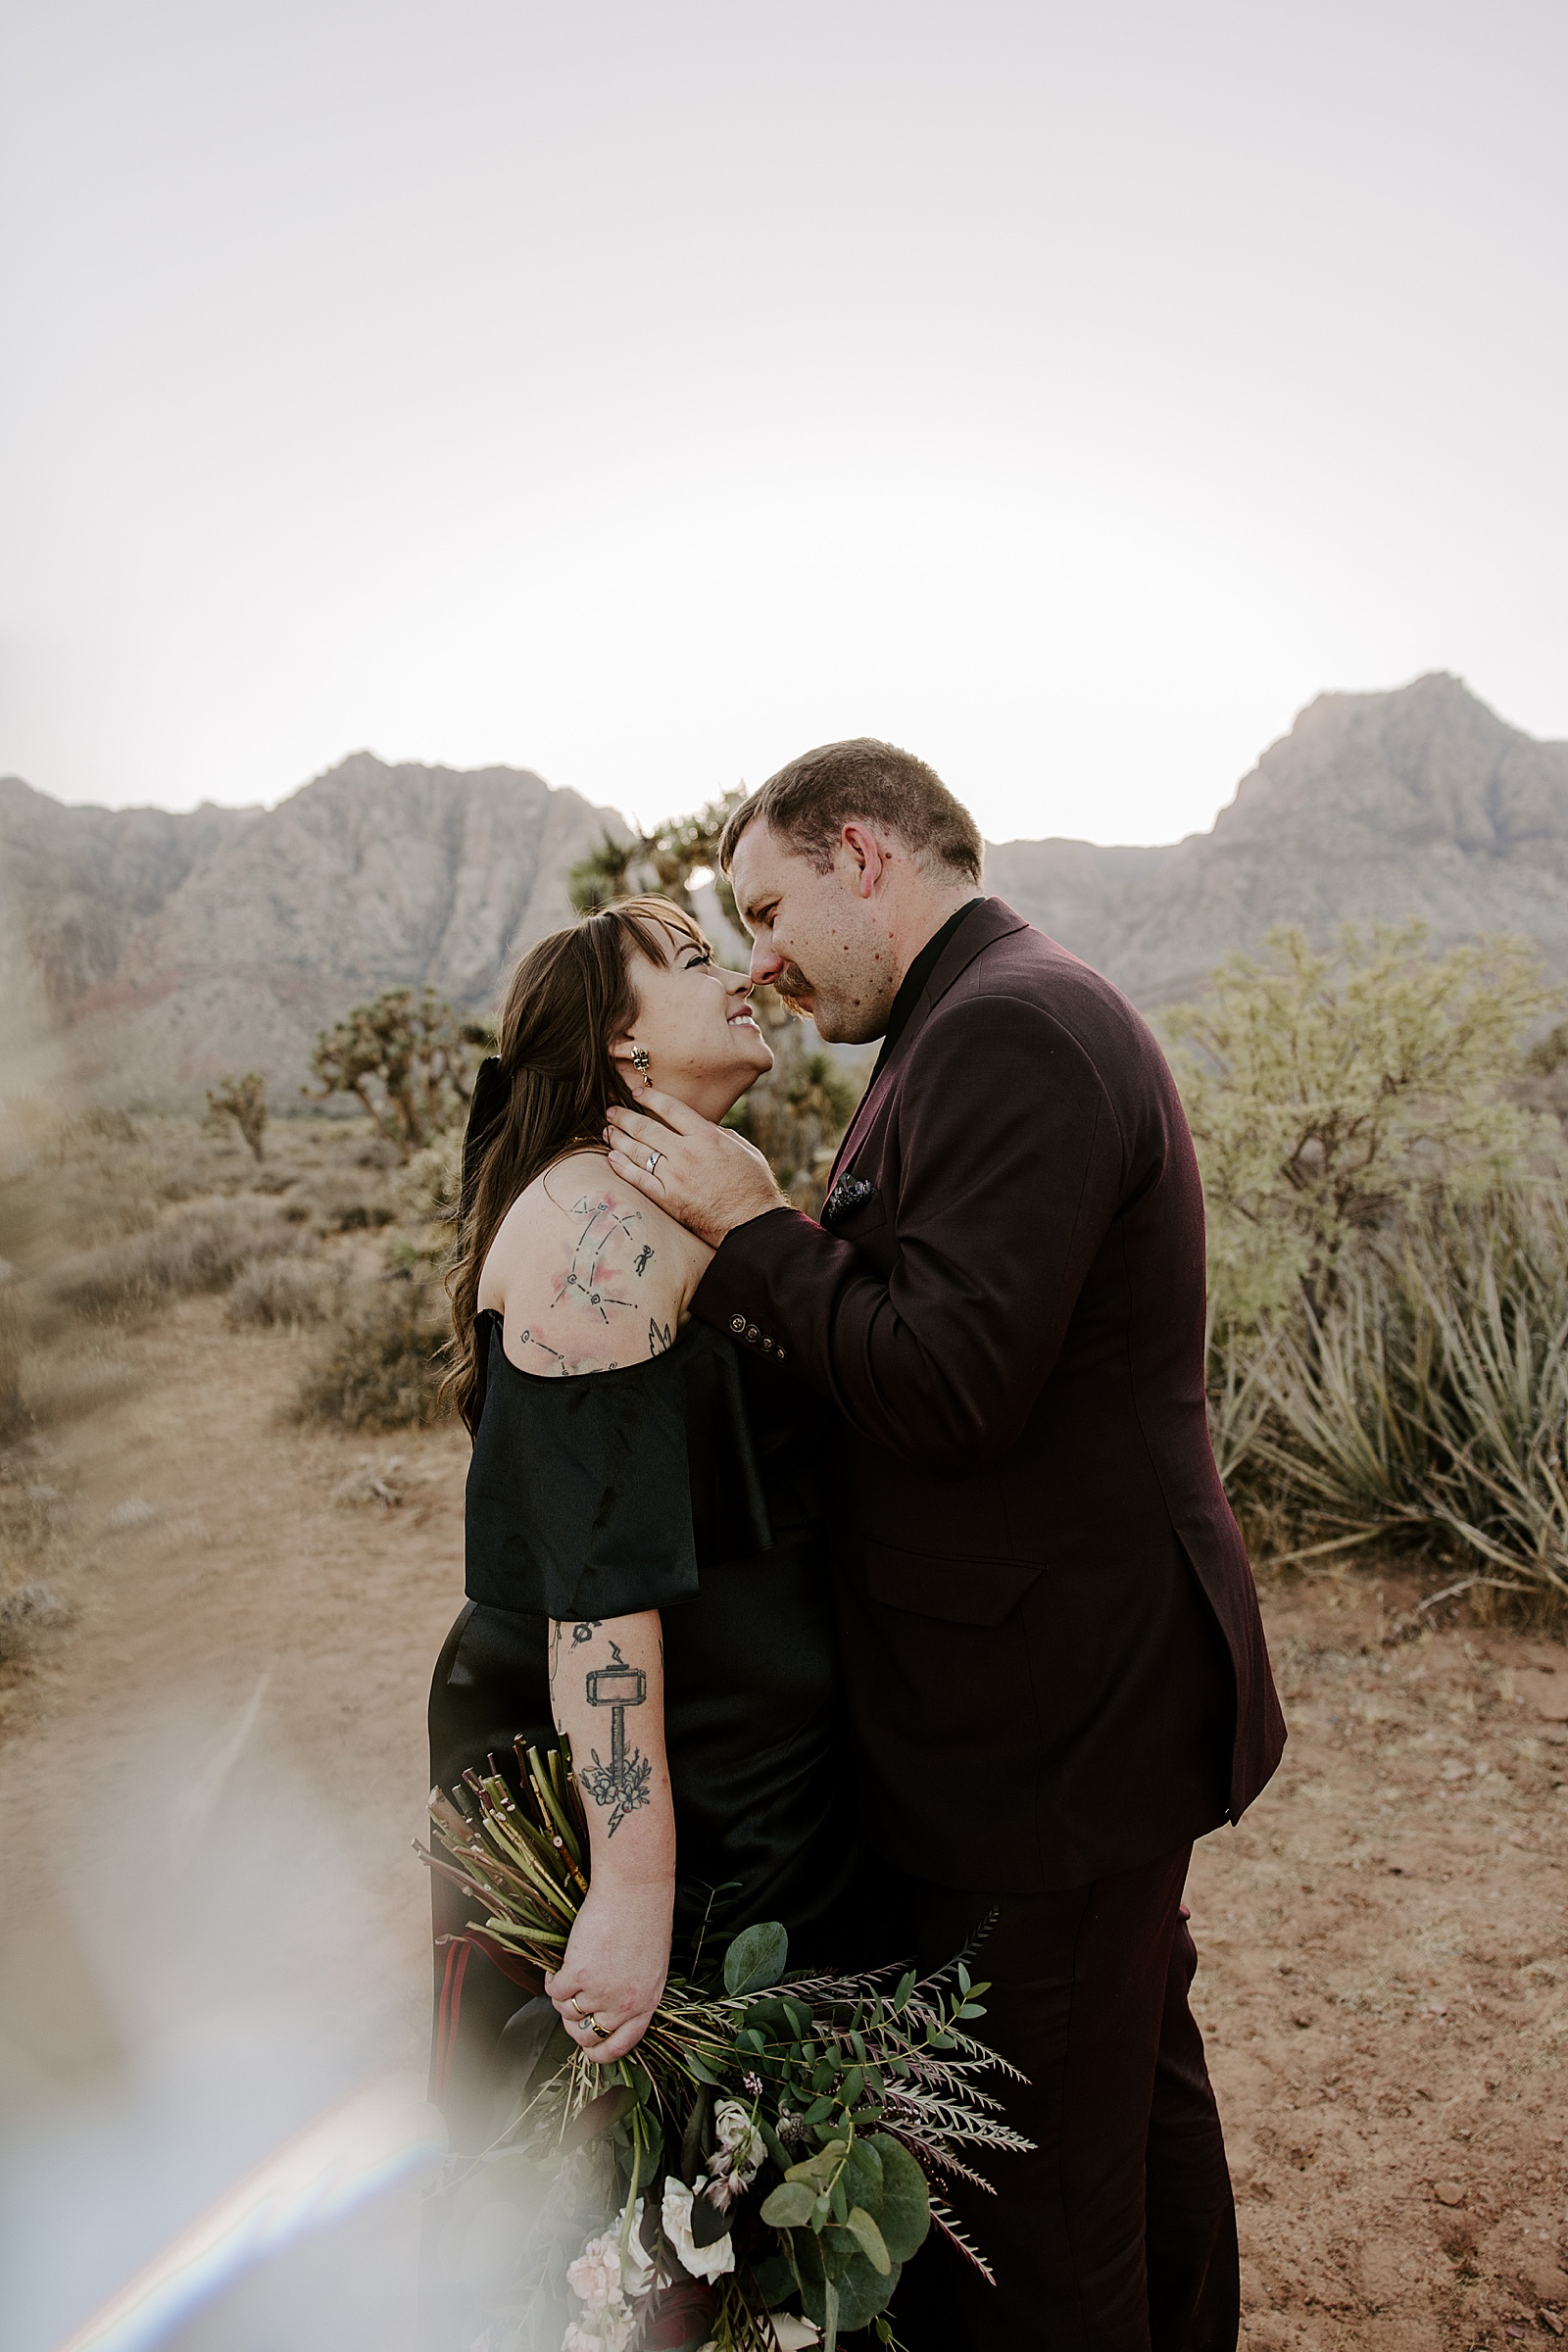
point(810, 801)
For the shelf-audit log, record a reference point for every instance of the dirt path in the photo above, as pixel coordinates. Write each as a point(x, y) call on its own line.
point(1384, 1941)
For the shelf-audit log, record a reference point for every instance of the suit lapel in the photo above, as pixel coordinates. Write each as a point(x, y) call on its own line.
point(991, 920)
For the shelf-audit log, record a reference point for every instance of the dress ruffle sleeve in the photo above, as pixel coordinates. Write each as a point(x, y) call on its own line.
point(591, 1497)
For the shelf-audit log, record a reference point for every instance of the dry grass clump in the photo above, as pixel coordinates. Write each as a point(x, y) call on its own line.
point(194, 1247)
point(66, 1379)
point(32, 1558)
point(343, 1200)
point(12, 1409)
point(384, 1365)
point(285, 1292)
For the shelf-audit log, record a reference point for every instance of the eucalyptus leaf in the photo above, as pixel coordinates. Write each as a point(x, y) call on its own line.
point(868, 2238)
point(757, 1958)
point(905, 2211)
point(862, 2292)
point(862, 2175)
point(790, 2205)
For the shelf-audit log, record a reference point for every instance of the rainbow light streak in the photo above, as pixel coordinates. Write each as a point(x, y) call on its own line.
point(374, 2138)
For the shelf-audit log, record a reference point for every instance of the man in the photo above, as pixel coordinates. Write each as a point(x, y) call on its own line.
point(1050, 1631)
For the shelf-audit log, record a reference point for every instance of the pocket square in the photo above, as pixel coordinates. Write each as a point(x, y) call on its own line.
point(850, 1193)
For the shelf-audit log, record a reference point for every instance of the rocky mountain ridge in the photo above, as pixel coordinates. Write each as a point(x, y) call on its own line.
point(162, 950)
point(1373, 808)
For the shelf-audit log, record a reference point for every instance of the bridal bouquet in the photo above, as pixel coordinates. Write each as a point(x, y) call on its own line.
point(752, 2177)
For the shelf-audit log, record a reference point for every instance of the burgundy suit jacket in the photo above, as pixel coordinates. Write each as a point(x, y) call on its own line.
point(1052, 1639)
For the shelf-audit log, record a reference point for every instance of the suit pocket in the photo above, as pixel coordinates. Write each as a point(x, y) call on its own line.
point(955, 1590)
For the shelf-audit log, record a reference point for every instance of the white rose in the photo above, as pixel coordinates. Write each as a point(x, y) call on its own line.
point(703, 2262)
point(739, 2137)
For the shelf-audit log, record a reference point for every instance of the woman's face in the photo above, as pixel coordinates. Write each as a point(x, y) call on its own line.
point(695, 1023)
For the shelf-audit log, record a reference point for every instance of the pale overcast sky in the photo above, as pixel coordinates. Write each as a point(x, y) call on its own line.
point(642, 390)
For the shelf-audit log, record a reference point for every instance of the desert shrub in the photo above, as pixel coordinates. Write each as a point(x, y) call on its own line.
point(285, 1292)
point(1328, 1095)
point(200, 1246)
point(384, 1364)
point(343, 1202)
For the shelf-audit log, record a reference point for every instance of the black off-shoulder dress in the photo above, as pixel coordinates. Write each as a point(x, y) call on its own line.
point(692, 1484)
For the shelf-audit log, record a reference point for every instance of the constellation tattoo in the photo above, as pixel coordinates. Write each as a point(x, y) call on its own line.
point(623, 1783)
point(527, 1340)
point(588, 1271)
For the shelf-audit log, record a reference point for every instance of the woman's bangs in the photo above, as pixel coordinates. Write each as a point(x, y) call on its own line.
point(659, 927)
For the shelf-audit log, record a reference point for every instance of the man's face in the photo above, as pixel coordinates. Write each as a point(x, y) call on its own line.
point(817, 938)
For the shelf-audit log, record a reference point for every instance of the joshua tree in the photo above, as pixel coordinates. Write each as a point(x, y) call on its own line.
point(244, 1100)
point(661, 861)
point(406, 1057)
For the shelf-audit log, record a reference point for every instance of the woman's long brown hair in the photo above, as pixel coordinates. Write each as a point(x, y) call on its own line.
point(568, 997)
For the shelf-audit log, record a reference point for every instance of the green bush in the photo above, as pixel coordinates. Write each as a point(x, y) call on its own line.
point(1329, 1095)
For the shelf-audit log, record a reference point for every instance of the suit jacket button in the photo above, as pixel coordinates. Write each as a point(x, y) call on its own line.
point(767, 1343)
point(753, 1334)
point(781, 1355)
point(737, 1322)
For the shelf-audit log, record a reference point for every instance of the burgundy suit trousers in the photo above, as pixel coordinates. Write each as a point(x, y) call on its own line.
point(1118, 2232)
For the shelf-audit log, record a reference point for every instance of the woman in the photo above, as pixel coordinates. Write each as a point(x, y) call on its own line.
point(646, 1562)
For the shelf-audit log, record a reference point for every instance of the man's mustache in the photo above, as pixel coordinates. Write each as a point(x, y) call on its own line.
point(793, 987)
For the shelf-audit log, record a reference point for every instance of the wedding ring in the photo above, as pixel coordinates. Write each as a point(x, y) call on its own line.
point(602, 2032)
point(577, 2005)
point(654, 1158)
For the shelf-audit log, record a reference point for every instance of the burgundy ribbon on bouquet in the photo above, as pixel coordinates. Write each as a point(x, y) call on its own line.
point(678, 2314)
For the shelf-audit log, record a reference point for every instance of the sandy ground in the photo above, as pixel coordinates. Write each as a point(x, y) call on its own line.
point(235, 1720)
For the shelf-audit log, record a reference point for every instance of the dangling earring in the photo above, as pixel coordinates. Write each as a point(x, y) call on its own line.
point(639, 1062)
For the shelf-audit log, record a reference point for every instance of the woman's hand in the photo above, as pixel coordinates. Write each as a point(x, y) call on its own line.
point(614, 1964)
